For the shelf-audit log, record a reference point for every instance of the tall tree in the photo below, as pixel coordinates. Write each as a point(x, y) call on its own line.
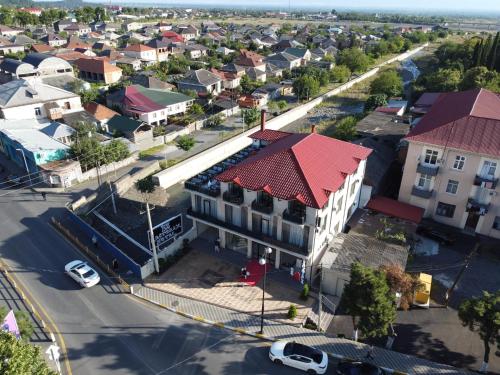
point(368, 300)
point(482, 315)
point(494, 51)
point(20, 357)
point(306, 87)
point(388, 83)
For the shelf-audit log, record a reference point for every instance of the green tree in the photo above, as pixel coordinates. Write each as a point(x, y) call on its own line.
point(19, 357)
point(444, 80)
point(185, 142)
point(345, 129)
point(251, 116)
point(482, 315)
point(196, 110)
point(480, 77)
point(23, 320)
point(374, 101)
point(127, 69)
point(340, 73)
point(306, 87)
point(145, 186)
point(355, 59)
point(116, 150)
point(388, 82)
point(368, 301)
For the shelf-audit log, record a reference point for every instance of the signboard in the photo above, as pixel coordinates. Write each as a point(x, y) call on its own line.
point(166, 231)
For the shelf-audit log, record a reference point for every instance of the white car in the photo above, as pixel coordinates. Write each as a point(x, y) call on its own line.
point(302, 357)
point(82, 273)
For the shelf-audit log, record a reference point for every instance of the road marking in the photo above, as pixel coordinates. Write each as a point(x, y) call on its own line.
point(44, 312)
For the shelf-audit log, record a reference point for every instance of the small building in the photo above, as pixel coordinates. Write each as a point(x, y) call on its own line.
point(202, 81)
point(98, 70)
point(142, 52)
point(100, 112)
point(136, 131)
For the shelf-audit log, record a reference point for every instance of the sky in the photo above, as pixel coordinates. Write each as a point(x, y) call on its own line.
point(421, 6)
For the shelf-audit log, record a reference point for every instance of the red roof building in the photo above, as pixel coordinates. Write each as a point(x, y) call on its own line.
point(249, 59)
point(391, 207)
point(303, 167)
point(173, 36)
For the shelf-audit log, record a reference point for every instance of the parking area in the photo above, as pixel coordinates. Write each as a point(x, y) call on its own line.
point(211, 278)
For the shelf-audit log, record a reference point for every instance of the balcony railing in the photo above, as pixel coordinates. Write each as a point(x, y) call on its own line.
point(486, 182)
point(421, 192)
point(233, 197)
point(260, 237)
point(212, 191)
point(297, 217)
point(475, 206)
point(262, 206)
point(428, 169)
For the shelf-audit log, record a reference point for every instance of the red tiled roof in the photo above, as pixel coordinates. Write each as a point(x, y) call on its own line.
point(269, 135)
point(388, 109)
point(99, 111)
point(173, 35)
point(138, 48)
point(72, 56)
point(249, 58)
point(96, 66)
point(306, 167)
point(467, 120)
point(42, 48)
point(391, 207)
point(138, 102)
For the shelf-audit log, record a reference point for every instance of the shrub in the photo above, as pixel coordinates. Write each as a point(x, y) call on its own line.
point(305, 292)
point(185, 142)
point(292, 312)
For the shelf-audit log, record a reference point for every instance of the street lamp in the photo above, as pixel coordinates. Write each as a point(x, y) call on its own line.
point(263, 262)
point(25, 163)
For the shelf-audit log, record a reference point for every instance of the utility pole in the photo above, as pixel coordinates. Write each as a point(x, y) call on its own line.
point(320, 307)
point(462, 270)
point(152, 238)
point(112, 197)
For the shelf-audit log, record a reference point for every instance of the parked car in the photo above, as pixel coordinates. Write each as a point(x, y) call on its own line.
point(302, 357)
point(359, 368)
point(82, 273)
point(440, 236)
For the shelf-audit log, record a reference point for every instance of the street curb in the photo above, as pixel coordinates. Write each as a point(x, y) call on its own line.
point(242, 331)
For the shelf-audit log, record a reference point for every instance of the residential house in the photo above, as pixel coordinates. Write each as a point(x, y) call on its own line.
point(21, 99)
point(189, 32)
point(9, 31)
point(100, 112)
point(290, 192)
point(302, 53)
point(7, 48)
point(284, 60)
point(78, 29)
point(61, 25)
point(152, 106)
point(134, 63)
point(452, 164)
point(41, 48)
point(98, 70)
point(131, 25)
point(202, 81)
point(162, 48)
point(230, 81)
point(140, 51)
point(54, 40)
point(35, 64)
point(173, 36)
point(136, 131)
point(224, 51)
point(196, 51)
point(255, 74)
point(249, 59)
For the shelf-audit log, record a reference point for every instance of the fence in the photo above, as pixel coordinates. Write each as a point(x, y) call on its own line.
point(103, 244)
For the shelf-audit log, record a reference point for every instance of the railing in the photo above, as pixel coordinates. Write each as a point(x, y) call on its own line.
point(431, 170)
point(261, 206)
point(294, 216)
point(233, 197)
point(474, 205)
point(486, 182)
point(421, 192)
point(213, 191)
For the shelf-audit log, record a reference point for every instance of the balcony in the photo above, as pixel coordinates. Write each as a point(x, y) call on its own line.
point(421, 193)
point(256, 236)
point(298, 217)
point(234, 197)
point(204, 187)
point(475, 206)
point(428, 169)
point(265, 207)
point(486, 182)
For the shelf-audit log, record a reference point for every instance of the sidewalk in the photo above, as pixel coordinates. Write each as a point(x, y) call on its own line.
point(248, 324)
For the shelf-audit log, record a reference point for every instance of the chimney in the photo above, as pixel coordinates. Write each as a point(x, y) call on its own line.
point(313, 128)
point(263, 120)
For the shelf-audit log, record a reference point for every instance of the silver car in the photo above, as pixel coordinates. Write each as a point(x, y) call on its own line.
point(82, 273)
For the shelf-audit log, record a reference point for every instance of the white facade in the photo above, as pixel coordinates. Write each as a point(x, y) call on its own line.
point(39, 111)
point(161, 116)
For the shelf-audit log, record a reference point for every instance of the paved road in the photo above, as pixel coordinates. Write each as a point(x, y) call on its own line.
point(106, 331)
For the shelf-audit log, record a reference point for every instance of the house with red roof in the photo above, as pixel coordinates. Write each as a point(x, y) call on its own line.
point(452, 165)
point(290, 192)
point(98, 70)
point(152, 106)
point(173, 36)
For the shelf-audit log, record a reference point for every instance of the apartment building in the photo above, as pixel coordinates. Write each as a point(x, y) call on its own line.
point(452, 164)
point(291, 192)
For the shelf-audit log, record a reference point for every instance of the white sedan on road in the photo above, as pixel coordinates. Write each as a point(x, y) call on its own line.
point(82, 273)
point(302, 357)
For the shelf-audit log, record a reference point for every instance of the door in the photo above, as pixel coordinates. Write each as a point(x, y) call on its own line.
point(472, 220)
point(206, 207)
point(300, 362)
point(265, 227)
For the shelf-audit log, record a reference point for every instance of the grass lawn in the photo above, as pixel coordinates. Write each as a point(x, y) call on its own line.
point(151, 151)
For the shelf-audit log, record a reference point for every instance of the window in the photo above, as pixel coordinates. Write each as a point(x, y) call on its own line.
point(38, 111)
point(154, 114)
point(444, 209)
point(496, 223)
point(459, 162)
point(353, 188)
point(424, 182)
point(452, 187)
point(489, 169)
point(67, 105)
point(431, 157)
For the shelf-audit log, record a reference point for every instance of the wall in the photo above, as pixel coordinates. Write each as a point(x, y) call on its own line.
point(28, 111)
point(213, 155)
point(125, 182)
point(104, 169)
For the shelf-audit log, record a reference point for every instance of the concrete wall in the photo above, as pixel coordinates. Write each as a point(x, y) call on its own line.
point(213, 155)
point(125, 182)
point(108, 168)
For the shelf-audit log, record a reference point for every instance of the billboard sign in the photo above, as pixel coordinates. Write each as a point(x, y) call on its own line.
point(166, 231)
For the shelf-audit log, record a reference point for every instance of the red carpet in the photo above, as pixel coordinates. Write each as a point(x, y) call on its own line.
point(256, 272)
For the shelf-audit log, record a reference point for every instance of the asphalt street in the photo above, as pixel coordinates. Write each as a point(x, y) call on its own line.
point(106, 331)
